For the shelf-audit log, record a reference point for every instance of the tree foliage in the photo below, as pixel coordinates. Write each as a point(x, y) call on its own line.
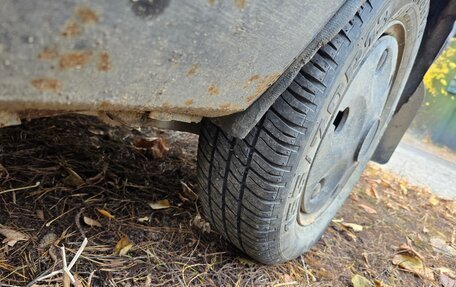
point(442, 72)
point(437, 119)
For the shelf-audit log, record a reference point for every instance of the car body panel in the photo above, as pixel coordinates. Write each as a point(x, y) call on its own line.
point(190, 57)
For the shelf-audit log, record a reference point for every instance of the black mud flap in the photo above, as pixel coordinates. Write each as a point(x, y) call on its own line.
point(398, 126)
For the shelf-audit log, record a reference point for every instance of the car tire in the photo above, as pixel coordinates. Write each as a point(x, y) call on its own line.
point(273, 193)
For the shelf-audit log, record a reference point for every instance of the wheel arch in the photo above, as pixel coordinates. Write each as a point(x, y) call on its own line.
point(439, 24)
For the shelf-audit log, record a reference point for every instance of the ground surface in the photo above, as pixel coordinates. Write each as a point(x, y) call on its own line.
point(80, 179)
point(426, 167)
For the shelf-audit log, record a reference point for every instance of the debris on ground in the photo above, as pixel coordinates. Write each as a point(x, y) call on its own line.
point(134, 196)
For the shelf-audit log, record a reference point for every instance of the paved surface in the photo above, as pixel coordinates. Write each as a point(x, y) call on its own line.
point(424, 168)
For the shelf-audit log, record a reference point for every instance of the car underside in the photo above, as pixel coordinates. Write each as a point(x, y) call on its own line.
point(291, 99)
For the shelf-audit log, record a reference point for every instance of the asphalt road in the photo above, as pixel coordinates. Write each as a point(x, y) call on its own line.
point(424, 168)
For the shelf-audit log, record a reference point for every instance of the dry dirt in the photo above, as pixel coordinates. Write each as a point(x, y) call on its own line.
point(66, 178)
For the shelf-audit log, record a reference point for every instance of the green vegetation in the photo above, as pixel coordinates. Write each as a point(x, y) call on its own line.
point(437, 119)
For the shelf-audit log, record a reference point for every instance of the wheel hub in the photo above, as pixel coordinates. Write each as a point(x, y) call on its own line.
point(348, 141)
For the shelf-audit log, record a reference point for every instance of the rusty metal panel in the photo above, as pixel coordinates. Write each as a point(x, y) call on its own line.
point(188, 57)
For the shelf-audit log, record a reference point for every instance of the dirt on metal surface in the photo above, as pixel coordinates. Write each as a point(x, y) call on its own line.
point(200, 51)
point(47, 84)
point(134, 197)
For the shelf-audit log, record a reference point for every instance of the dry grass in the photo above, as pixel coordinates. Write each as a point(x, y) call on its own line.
point(83, 166)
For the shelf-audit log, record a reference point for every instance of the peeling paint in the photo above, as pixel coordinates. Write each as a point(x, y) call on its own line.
point(47, 84)
point(104, 62)
point(213, 90)
point(87, 15)
point(74, 60)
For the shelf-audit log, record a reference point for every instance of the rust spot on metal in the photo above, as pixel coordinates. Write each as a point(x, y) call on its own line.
point(193, 70)
point(262, 85)
point(211, 2)
point(213, 90)
point(250, 99)
point(71, 29)
point(249, 81)
point(228, 107)
point(87, 15)
point(48, 54)
point(47, 84)
point(104, 63)
point(239, 3)
point(188, 102)
point(74, 60)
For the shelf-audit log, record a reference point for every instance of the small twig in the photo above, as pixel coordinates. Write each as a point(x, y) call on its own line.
point(66, 268)
point(306, 271)
point(21, 188)
point(77, 220)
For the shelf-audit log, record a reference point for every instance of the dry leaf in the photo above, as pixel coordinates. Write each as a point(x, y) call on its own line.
point(40, 214)
point(367, 209)
point(414, 265)
point(143, 219)
point(12, 236)
point(159, 149)
point(246, 262)
point(337, 220)
point(403, 187)
point(123, 246)
point(202, 224)
point(360, 281)
point(391, 206)
point(434, 200)
point(73, 179)
point(91, 222)
point(372, 191)
point(380, 284)
point(156, 145)
point(405, 247)
point(355, 227)
point(187, 193)
point(161, 204)
point(105, 213)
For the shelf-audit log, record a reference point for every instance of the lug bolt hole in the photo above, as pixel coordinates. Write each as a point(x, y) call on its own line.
point(317, 189)
point(382, 61)
point(341, 119)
